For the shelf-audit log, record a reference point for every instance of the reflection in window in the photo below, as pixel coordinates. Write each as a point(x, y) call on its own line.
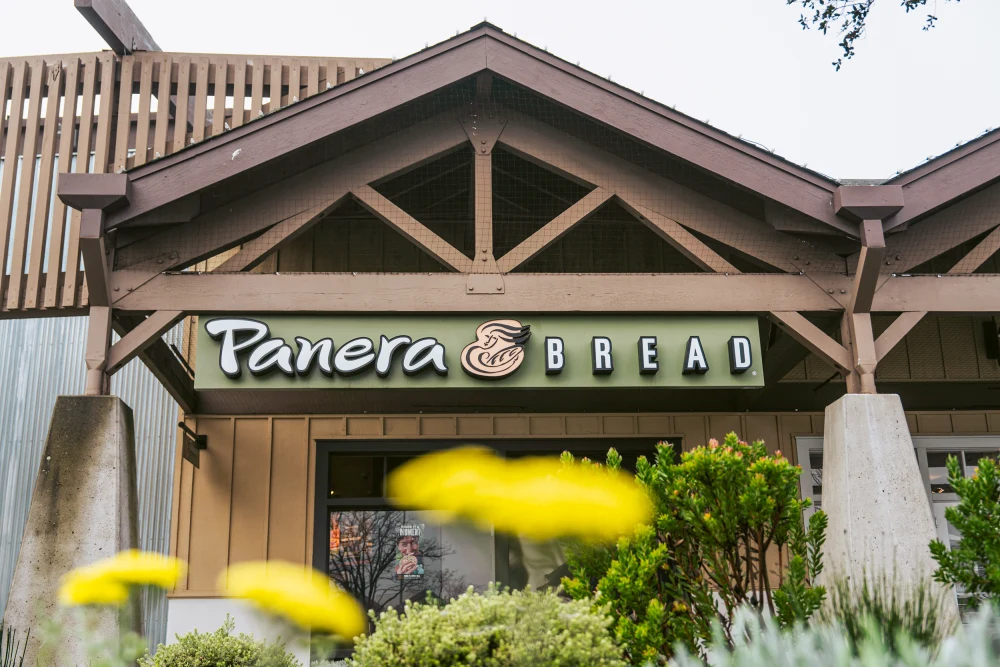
point(816, 471)
point(972, 460)
point(937, 472)
point(385, 557)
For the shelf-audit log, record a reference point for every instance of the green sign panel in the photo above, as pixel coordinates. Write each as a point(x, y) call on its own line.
point(477, 352)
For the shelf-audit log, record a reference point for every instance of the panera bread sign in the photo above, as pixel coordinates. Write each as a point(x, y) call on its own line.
point(468, 351)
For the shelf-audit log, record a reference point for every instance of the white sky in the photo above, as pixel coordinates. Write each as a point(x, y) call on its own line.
point(743, 65)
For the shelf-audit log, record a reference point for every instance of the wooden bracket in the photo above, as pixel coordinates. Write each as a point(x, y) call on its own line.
point(896, 331)
point(95, 256)
point(869, 264)
point(142, 336)
point(162, 363)
point(194, 444)
point(483, 129)
point(814, 339)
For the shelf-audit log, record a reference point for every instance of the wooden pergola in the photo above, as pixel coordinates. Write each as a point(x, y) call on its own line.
point(242, 184)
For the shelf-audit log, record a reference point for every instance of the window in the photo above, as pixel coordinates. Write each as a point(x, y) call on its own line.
point(385, 555)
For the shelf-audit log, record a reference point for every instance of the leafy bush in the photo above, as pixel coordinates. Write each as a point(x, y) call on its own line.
point(893, 609)
point(718, 512)
point(763, 643)
point(974, 564)
point(491, 629)
point(219, 649)
point(11, 649)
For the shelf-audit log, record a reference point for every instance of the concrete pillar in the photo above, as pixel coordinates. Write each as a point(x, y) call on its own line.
point(880, 518)
point(84, 508)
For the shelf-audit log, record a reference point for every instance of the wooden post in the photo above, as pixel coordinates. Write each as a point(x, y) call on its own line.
point(96, 355)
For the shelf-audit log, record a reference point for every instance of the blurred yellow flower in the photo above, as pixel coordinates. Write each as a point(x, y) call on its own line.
point(537, 497)
point(107, 581)
point(302, 595)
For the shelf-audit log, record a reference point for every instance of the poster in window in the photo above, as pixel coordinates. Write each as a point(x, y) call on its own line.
point(409, 556)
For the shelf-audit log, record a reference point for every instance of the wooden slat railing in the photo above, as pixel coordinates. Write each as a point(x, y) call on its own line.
point(124, 112)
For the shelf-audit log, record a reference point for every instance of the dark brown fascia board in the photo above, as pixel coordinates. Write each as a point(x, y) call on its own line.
point(105, 192)
point(867, 202)
point(487, 48)
point(951, 176)
point(115, 21)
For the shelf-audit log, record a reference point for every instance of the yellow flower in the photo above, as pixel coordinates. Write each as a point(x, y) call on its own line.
point(707, 516)
point(107, 581)
point(302, 595)
point(536, 497)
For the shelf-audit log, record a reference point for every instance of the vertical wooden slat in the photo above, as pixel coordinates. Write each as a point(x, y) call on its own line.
point(43, 200)
point(210, 502)
point(29, 149)
point(289, 483)
point(10, 161)
point(257, 89)
point(219, 112)
point(239, 92)
point(102, 148)
point(5, 77)
point(145, 101)
point(350, 70)
point(275, 92)
point(294, 78)
point(201, 102)
point(181, 102)
point(162, 107)
point(312, 85)
point(66, 135)
point(251, 472)
point(124, 121)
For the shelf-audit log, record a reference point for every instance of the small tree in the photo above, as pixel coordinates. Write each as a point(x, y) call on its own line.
point(719, 512)
point(974, 563)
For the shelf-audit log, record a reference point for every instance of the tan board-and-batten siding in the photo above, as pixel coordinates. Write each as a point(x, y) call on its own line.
point(252, 497)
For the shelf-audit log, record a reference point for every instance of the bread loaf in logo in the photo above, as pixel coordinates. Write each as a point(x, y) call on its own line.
point(498, 349)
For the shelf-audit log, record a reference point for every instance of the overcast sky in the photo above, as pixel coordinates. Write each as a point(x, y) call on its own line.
point(743, 65)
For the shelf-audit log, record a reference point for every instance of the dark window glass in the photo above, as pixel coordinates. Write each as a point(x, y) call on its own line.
point(816, 468)
point(938, 472)
point(356, 476)
point(972, 460)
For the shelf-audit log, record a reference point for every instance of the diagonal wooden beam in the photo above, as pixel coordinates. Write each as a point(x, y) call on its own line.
point(142, 336)
point(222, 228)
point(409, 227)
point(869, 263)
point(896, 331)
point(978, 255)
point(162, 363)
point(681, 239)
point(257, 250)
point(554, 230)
point(814, 339)
point(585, 164)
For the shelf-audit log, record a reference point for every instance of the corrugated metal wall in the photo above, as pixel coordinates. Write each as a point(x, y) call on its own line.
point(41, 359)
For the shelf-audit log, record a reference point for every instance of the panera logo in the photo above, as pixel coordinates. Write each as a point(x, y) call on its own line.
point(498, 351)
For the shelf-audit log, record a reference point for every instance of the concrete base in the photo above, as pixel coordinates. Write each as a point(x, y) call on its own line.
point(880, 517)
point(83, 509)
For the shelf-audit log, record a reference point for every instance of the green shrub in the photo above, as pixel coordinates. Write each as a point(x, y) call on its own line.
point(719, 510)
point(974, 564)
point(491, 629)
point(763, 643)
point(12, 650)
point(893, 609)
point(219, 649)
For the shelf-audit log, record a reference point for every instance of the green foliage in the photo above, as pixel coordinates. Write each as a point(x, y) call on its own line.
point(974, 564)
point(719, 510)
point(798, 598)
point(850, 17)
point(12, 650)
point(889, 609)
point(763, 643)
point(219, 649)
point(492, 629)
